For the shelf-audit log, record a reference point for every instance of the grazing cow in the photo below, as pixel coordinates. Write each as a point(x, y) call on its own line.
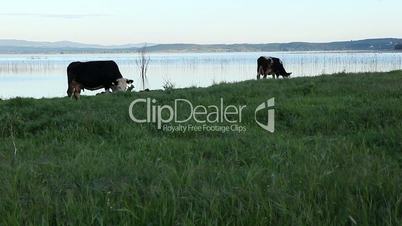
point(271, 66)
point(95, 75)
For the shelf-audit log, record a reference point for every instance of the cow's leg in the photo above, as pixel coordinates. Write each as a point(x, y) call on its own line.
point(76, 93)
point(273, 76)
point(260, 72)
point(75, 90)
point(69, 92)
point(265, 75)
point(70, 89)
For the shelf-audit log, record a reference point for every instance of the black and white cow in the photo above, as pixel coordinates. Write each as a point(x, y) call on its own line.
point(271, 66)
point(95, 75)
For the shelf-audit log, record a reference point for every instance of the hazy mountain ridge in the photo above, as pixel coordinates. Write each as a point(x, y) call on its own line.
point(21, 46)
point(63, 44)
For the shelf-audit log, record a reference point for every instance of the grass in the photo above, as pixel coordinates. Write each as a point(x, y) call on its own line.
point(335, 158)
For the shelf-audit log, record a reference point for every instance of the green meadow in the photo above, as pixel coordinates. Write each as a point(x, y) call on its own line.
point(334, 159)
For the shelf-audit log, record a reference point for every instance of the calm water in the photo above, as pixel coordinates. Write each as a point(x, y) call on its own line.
point(45, 75)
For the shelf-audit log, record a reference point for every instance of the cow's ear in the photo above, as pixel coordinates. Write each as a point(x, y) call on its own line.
point(130, 81)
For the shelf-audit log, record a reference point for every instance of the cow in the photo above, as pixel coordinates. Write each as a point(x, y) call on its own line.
point(271, 66)
point(95, 75)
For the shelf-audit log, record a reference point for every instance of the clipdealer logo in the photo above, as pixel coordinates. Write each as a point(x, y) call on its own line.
point(183, 116)
point(270, 126)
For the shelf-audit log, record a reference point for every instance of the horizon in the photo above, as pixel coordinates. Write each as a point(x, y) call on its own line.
point(180, 22)
point(183, 43)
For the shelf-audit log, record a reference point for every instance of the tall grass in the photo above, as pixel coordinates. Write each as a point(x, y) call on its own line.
point(335, 158)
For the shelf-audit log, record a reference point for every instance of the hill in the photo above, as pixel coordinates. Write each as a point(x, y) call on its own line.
point(65, 44)
point(334, 159)
point(22, 46)
point(17, 46)
point(362, 45)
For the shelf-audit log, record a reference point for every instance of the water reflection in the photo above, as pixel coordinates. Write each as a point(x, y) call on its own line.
point(45, 75)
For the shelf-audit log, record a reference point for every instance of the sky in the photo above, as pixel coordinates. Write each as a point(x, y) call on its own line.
point(208, 21)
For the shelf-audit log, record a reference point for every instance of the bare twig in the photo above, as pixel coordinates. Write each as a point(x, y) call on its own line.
point(143, 64)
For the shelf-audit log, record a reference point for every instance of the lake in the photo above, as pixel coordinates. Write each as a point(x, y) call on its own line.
point(44, 75)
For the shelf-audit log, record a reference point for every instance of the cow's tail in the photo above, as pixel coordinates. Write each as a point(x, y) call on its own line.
point(69, 74)
point(283, 71)
point(70, 79)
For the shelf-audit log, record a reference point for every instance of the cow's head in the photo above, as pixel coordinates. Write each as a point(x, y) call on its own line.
point(121, 84)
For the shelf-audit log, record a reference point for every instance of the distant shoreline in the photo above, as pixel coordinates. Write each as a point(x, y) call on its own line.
point(26, 47)
point(211, 52)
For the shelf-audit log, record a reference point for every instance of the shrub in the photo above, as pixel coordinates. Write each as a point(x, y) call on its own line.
point(168, 85)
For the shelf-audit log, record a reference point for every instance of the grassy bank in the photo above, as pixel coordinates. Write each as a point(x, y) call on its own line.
point(335, 158)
